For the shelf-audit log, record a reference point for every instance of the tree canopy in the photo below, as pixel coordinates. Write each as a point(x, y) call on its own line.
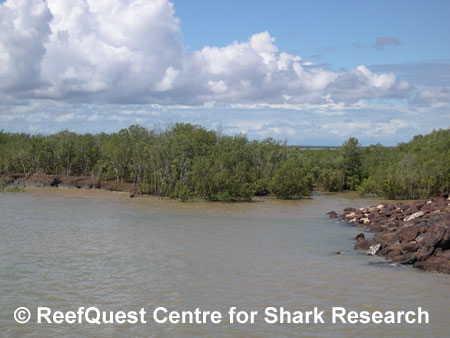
point(187, 161)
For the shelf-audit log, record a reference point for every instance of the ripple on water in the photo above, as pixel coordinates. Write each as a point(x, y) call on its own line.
point(76, 248)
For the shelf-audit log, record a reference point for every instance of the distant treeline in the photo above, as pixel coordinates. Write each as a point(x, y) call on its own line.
point(187, 161)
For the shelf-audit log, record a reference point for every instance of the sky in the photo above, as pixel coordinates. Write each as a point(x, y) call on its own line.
point(309, 72)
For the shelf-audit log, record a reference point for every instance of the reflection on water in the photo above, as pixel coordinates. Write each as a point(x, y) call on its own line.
point(66, 248)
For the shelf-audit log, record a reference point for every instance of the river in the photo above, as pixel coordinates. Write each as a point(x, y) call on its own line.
point(66, 249)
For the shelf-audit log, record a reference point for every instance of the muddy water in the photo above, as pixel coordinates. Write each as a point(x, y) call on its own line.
point(65, 248)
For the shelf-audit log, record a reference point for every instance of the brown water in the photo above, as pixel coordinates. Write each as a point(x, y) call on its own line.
point(67, 248)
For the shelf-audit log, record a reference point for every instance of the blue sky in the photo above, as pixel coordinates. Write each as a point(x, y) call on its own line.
point(341, 32)
point(309, 72)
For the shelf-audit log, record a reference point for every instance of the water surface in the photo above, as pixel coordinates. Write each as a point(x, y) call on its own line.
point(69, 248)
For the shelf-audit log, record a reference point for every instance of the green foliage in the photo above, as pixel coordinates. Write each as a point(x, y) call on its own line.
point(369, 186)
point(182, 192)
point(351, 163)
point(413, 170)
point(331, 179)
point(291, 179)
point(226, 173)
point(188, 161)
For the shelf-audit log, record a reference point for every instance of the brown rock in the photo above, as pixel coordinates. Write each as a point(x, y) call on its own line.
point(434, 264)
point(415, 233)
point(435, 235)
point(420, 255)
point(410, 247)
point(407, 234)
point(332, 214)
point(445, 253)
point(386, 237)
point(362, 244)
point(409, 258)
point(360, 236)
point(395, 254)
point(387, 248)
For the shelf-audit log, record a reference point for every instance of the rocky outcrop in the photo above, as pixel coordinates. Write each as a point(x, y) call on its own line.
point(416, 233)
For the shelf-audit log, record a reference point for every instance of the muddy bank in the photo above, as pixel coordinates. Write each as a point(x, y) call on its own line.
point(416, 233)
point(58, 181)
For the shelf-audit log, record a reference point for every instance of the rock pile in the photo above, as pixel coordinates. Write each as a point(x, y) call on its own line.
point(416, 233)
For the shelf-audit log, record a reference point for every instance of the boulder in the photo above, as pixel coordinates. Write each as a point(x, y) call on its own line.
point(394, 255)
point(443, 253)
point(360, 236)
point(434, 264)
point(386, 237)
point(410, 247)
point(364, 220)
point(413, 216)
point(436, 235)
point(362, 244)
point(373, 249)
point(409, 258)
point(407, 234)
point(332, 214)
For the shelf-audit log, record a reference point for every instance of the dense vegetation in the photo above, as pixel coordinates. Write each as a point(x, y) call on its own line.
point(188, 161)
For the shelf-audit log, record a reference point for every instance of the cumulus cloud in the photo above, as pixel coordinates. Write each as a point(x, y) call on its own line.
point(131, 51)
point(360, 82)
point(384, 41)
point(24, 29)
point(92, 50)
point(111, 50)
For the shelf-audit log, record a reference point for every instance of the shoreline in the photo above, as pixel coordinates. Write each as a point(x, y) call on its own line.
point(71, 182)
point(94, 183)
point(413, 233)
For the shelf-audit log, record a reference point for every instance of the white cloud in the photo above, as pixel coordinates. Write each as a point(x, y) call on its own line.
point(388, 128)
point(368, 128)
point(439, 96)
point(65, 117)
point(130, 51)
point(24, 30)
point(67, 64)
point(263, 43)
